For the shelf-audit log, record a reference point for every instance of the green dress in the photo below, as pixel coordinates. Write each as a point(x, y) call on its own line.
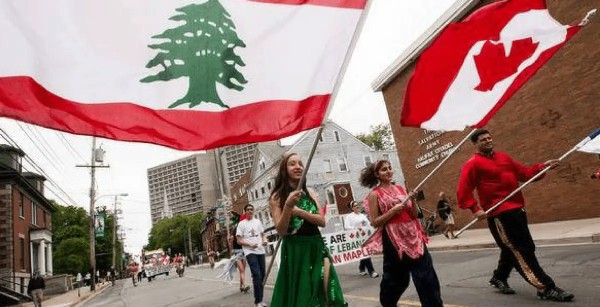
point(299, 282)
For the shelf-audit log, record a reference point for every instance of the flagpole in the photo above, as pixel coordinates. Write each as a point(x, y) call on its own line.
point(347, 58)
point(440, 164)
point(299, 187)
point(454, 150)
point(543, 171)
point(436, 169)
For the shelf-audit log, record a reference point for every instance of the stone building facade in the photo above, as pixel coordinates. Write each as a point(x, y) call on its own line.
point(25, 223)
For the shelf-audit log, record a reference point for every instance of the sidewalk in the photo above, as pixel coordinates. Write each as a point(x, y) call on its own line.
point(70, 298)
point(563, 232)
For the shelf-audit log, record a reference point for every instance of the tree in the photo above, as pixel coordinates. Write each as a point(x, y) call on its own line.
point(380, 137)
point(72, 256)
point(201, 48)
point(69, 222)
point(71, 237)
point(173, 233)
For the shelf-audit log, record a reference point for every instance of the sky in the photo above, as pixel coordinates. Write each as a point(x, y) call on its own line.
point(390, 27)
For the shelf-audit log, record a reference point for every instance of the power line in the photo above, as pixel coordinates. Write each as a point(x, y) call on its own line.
point(39, 170)
point(36, 146)
point(68, 144)
point(36, 133)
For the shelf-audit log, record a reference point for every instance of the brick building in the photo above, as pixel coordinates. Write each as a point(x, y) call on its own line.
point(239, 194)
point(25, 223)
point(550, 114)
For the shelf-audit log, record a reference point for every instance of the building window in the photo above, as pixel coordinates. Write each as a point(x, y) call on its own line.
point(327, 166)
point(342, 165)
point(22, 247)
point(262, 190)
point(330, 197)
point(337, 136)
point(368, 161)
point(33, 213)
point(21, 207)
point(269, 185)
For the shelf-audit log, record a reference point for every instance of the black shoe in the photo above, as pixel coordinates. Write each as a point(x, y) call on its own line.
point(555, 294)
point(501, 285)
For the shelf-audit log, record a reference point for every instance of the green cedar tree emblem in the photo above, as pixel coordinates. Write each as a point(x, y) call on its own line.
point(201, 48)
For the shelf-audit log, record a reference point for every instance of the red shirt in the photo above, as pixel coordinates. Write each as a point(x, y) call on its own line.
point(494, 178)
point(598, 174)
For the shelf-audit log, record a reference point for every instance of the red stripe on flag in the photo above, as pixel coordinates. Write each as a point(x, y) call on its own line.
point(349, 4)
point(440, 63)
point(22, 98)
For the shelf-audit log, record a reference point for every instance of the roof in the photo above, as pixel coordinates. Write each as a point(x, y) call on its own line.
point(410, 54)
point(272, 149)
point(30, 175)
point(20, 179)
point(4, 147)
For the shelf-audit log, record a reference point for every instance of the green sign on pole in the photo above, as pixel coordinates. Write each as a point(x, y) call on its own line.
point(99, 222)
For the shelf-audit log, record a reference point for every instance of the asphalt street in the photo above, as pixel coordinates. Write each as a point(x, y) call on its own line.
point(463, 275)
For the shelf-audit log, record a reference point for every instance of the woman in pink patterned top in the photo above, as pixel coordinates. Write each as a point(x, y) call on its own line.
point(400, 237)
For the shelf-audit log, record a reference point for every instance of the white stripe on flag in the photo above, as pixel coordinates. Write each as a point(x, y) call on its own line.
point(593, 146)
point(97, 51)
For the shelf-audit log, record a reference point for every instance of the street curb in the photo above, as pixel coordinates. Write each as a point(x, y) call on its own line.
point(540, 242)
point(87, 298)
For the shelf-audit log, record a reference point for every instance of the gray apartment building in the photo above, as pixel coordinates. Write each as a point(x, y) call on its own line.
point(184, 186)
point(237, 160)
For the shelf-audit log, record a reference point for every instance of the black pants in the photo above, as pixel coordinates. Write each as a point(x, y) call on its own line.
point(517, 250)
point(366, 264)
point(257, 270)
point(396, 277)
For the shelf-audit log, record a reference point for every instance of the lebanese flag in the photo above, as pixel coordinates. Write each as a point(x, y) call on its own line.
point(467, 74)
point(190, 75)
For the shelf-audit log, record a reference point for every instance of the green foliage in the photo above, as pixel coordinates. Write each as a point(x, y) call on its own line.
point(72, 256)
point(69, 222)
point(71, 237)
point(173, 233)
point(380, 137)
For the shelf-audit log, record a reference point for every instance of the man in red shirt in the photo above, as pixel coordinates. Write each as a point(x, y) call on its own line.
point(495, 175)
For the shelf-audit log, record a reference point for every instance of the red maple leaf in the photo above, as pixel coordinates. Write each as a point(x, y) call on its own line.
point(352, 235)
point(494, 66)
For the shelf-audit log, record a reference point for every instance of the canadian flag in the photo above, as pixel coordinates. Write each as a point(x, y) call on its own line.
point(185, 74)
point(474, 66)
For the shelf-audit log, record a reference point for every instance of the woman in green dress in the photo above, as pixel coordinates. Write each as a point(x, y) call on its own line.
point(306, 275)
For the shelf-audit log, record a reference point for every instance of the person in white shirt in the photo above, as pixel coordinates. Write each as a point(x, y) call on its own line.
point(357, 220)
point(250, 234)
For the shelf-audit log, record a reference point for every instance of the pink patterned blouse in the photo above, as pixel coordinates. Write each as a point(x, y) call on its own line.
point(404, 230)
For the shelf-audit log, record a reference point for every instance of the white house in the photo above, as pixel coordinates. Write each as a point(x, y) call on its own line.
point(334, 172)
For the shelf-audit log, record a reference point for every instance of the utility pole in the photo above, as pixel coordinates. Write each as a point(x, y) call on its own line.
point(190, 250)
point(223, 188)
point(114, 255)
point(97, 156)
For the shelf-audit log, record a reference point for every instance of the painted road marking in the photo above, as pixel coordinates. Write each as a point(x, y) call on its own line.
point(401, 302)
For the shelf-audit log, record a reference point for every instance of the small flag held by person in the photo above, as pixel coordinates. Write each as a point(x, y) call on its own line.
point(592, 145)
